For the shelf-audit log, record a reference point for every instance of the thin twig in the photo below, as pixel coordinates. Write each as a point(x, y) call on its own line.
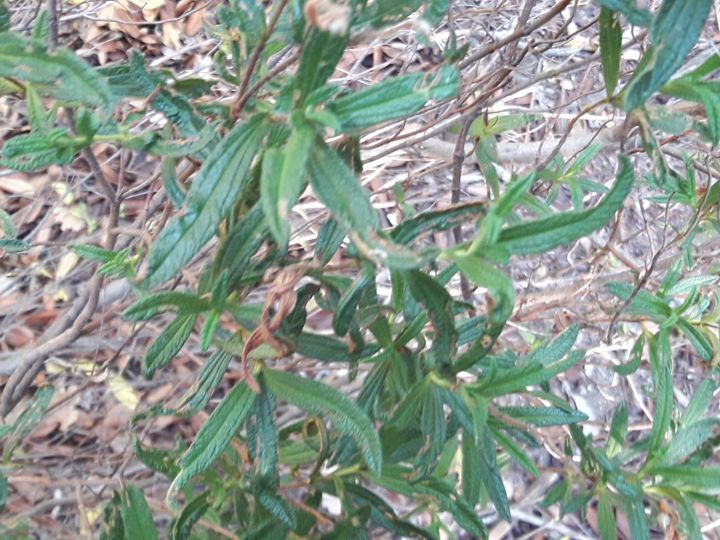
point(242, 96)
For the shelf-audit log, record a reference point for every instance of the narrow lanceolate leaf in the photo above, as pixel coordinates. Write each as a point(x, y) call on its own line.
point(607, 526)
point(193, 511)
point(438, 303)
point(27, 419)
point(224, 175)
point(13, 245)
point(339, 189)
point(687, 439)
point(545, 234)
point(544, 416)
point(394, 98)
point(317, 398)
point(610, 48)
point(60, 74)
point(4, 17)
point(490, 475)
point(660, 362)
point(696, 478)
point(215, 435)
point(675, 30)
point(699, 402)
point(637, 519)
point(501, 288)
point(168, 343)
point(147, 307)
point(699, 341)
point(471, 481)
point(283, 180)
point(136, 516)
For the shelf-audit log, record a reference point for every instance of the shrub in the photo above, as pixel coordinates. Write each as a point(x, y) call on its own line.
point(442, 405)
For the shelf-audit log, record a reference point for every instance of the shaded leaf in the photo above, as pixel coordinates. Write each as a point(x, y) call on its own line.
point(168, 343)
point(61, 74)
point(339, 189)
point(212, 196)
point(136, 516)
point(318, 398)
point(675, 29)
point(215, 434)
point(545, 234)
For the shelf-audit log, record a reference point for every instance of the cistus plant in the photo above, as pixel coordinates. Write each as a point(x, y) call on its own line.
point(441, 404)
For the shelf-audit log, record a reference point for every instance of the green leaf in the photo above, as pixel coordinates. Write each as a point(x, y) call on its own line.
point(696, 478)
point(517, 453)
point(197, 397)
point(517, 379)
point(318, 398)
point(223, 176)
point(490, 475)
point(674, 31)
point(215, 435)
point(687, 440)
point(13, 245)
point(267, 436)
point(136, 516)
point(544, 416)
point(545, 234)
point(688, 519)
point(703, 92)
point(503, 293)
point(7, 225)
point(193, 511)
point(38, 150)
point(244, 241)
point(438, 305)
point(438, 220)
point(3, 478)
point(637, 519)
point(635, 358)
point(610, 48)
point(689, 284)
point(618, 430)
point(209, 327)
point(329, 240)
point(347, 306)
point(93, 253)
point(323, 348)
point(699, 341)
point(338, 188)
point(555, 349)
point(168, 343)
point(661, 365)
point(282, 180)
point(393, 98)
point(27, 419)
point(471, 481)
point(4, 17)
point(37, 117)
point(160, 461)
point(168, 172)
point(607, 526)
point(146, 308)
point(700, 401)
point(644, 303)
point(320, 55)
point(278, 508)
point(61, 74)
